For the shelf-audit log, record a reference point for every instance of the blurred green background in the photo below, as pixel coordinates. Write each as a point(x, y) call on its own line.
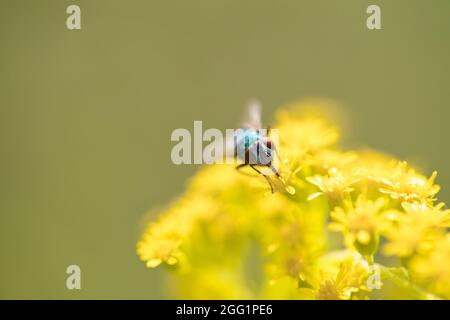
point(86, 116)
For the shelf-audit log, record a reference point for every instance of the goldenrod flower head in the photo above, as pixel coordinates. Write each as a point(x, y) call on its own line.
point(335, 185)
point(162, 239)
point(161, 244)
point(327, 159)
point(302, 132)
point(428, 216)
point(359, 223)
point(432, 270)
point(229, 239)
point(214, 283)
point(294, 242)
point(286, 179)
point(350, 279)
point(406, 184)
point(416, 229)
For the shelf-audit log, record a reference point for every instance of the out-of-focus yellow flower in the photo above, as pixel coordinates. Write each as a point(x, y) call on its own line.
point(213, 283)
point(313, 133)
point(329, 159)
point(161, 241)
point(293, 239)
point(360, 224)
point(432, 270)
point(406, 184)
point(416, 229)
point(303, 133)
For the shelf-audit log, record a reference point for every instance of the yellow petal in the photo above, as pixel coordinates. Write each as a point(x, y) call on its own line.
point(314, 195)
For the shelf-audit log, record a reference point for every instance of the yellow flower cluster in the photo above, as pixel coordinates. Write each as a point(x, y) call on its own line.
point(339, 222)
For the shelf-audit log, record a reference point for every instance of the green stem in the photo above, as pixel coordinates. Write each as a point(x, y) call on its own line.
point(406, 284)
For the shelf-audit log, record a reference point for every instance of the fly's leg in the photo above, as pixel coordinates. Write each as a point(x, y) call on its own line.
point(265, 176)
point(275, 171)
point(242, 165)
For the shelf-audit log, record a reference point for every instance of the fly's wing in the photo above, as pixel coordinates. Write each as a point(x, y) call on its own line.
point(252, 120)
point(265, 153)
point(252, 116)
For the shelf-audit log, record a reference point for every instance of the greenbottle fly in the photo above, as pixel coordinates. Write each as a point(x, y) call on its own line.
point(254, 147)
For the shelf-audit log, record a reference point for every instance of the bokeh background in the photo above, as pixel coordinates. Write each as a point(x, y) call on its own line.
point(86, 116)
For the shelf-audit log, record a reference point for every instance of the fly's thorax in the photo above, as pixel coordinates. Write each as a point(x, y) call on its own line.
point(253, 147)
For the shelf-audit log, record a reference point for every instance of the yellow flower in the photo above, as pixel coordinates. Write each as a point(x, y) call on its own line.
point(298, 266)
point(405, 184)
point(327, 159)
point(229, 238)
point(286, 179)
point(432, 270)
point(360, 224)
point(416, 229)
point(213, 283)
point(160, 244)
point(335, 185)
point(303, 133)
point(349, 280)
point(293, 238)
point(161, 241)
